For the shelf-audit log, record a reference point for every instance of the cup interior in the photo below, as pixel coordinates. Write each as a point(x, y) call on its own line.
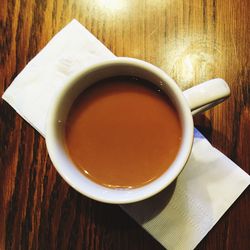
point(62, 104)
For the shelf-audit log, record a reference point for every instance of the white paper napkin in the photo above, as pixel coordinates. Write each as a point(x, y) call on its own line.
point(180, 216)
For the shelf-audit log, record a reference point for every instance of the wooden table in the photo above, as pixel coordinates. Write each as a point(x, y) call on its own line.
point(191, 40)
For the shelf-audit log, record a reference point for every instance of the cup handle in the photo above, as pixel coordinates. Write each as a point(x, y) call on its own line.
point(206, 95)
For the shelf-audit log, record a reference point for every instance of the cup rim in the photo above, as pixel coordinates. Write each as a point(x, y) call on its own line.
point(74, 177)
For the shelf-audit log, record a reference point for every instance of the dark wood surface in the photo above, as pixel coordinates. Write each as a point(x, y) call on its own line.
point(192, 40)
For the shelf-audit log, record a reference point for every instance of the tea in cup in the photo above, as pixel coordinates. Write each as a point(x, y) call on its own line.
point(121, 130)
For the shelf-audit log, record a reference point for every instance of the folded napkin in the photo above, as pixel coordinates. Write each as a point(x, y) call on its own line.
point(180, 216)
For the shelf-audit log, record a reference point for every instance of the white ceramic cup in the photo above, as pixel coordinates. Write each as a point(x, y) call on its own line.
point(191, 101)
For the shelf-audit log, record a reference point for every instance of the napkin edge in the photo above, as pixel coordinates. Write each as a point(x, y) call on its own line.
point(10, 102)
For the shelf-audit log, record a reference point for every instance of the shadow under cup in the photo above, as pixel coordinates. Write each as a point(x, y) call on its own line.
point(55, 129)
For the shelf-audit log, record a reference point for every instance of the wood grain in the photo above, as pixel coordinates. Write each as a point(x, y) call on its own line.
point(193, 41)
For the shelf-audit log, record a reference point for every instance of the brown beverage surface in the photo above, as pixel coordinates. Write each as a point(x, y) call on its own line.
point(123, 132)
